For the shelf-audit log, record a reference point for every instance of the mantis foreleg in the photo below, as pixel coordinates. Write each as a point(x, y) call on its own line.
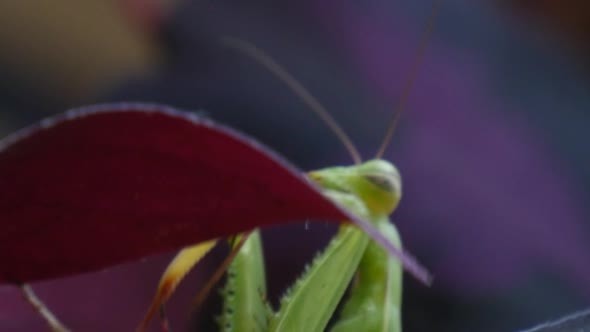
point(244, 305)
point(311, 302)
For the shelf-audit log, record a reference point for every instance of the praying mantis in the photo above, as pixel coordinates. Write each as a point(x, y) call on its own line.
point(370, 190)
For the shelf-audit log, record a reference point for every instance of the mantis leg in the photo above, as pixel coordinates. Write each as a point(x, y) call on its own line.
point(244, 306)
point(175, 272)
point(375, 301)
point(311, 302)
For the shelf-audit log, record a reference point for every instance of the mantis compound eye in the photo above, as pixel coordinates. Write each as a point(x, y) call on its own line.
point(384, 176)
point(386, 182)
point(382, 186)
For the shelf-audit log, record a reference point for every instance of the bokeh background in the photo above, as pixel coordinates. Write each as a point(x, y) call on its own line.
point(493, 144)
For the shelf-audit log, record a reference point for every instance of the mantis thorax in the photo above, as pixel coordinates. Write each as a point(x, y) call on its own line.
point(377, 183)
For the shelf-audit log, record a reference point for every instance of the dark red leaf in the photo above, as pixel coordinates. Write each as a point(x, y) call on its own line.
point(107, 184)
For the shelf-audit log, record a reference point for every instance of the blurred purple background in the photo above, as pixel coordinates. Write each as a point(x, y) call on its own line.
point(492, 145)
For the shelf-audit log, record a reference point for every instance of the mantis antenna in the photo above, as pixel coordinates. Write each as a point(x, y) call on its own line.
point(410, 81)
point(265, 60)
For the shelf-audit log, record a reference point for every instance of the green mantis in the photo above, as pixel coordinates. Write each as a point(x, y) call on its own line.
point(370, 190)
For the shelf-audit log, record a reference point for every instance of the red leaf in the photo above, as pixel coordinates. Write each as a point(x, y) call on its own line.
point(107, 184)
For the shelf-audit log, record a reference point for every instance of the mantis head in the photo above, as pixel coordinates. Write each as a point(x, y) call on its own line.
point(377, 183)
